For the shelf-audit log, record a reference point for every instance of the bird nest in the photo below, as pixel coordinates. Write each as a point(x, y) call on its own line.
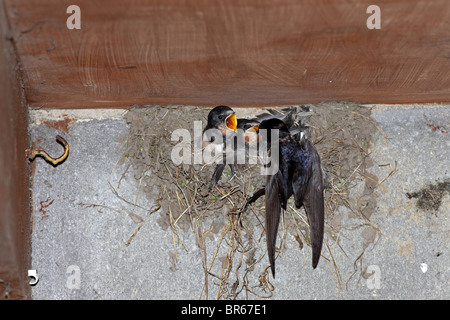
point(342, 134)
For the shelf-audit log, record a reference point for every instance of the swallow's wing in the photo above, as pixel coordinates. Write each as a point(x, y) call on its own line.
point(314, 204)
point(289, 116)
point(273, 210)
point(285, 115)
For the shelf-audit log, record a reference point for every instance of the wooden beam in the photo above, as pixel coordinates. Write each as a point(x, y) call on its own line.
point(241, 53)
point(15, 244)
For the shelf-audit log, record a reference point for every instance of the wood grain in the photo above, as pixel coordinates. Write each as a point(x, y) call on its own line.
point(15, 215)
point(240, 53)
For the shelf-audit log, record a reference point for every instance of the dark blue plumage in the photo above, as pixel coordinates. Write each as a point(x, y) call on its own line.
point(299, 174)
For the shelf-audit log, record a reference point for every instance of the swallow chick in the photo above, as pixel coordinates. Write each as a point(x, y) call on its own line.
point(217, 136)
point(223, 119)
point(248, 128)
point(247, 131)
point(299, 174)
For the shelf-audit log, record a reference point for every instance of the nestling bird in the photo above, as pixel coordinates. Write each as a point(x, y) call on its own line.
point(219, 132)
point(223, 119)
point(299, 174)
point(248, 128)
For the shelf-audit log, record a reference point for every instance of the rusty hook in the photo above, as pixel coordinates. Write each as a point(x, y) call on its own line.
point(31, 154)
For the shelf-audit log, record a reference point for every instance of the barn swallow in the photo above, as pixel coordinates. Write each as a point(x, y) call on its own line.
point(299, 174)
point(289, 116)
point(223, 119)
point(249, 129)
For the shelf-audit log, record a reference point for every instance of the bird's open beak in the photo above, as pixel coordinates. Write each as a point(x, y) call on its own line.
point(231, 122)
point(256, 128)
point(251, 135)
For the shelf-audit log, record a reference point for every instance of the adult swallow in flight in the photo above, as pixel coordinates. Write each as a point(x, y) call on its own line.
point(299, 174)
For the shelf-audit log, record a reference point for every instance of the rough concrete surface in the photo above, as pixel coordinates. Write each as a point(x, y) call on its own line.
point(95, 235)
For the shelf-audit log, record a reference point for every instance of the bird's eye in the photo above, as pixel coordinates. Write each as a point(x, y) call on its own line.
point(220, 117)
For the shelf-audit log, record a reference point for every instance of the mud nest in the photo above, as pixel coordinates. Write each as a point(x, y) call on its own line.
point(342, 134)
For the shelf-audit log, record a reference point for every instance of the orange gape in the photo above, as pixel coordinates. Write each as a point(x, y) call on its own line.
point(231, 122)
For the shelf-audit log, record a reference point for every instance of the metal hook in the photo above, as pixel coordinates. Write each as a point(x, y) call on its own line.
point(34, 153)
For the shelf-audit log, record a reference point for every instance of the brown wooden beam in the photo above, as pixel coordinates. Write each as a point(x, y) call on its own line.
point(14, 174)
point(241, 53)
